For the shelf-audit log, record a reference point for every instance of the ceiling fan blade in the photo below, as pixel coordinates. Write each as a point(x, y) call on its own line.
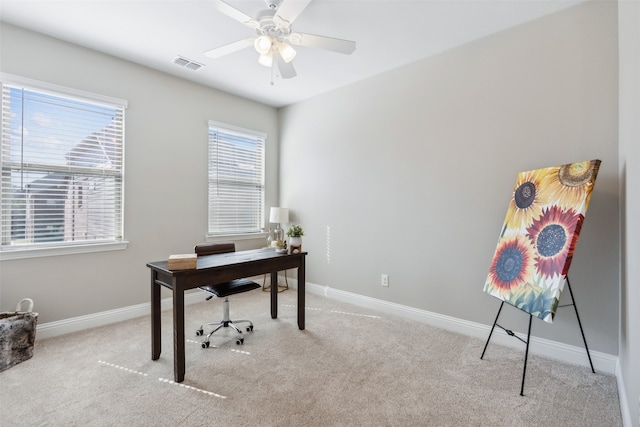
point(287, 71)
point(236, 14)
point(289, 11)
point(321, 42)
point(229, 48)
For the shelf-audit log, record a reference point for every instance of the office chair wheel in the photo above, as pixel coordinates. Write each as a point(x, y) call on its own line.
point(249, 328)
point(205, 344)
point(240, 341)
point(199, 332)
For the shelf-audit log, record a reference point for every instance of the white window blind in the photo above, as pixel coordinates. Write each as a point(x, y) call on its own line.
point(62, 168)
point(236, 180)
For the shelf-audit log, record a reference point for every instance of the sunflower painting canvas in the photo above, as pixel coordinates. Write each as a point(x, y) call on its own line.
point(539, 236)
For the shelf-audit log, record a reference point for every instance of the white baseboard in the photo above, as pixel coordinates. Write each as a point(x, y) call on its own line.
point(622, 394)
point(601, 361)
point(75, 324)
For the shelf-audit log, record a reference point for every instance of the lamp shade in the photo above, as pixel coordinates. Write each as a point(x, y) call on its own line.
point(263, 44)
point(266, 59)
point(279, 215)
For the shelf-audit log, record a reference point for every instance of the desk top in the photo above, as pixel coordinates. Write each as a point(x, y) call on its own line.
point(226, 259)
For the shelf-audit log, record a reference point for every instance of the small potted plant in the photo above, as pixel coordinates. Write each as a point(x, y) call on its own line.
point(295, 233)
point(281, 246)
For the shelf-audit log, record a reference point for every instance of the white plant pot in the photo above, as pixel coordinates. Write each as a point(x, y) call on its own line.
point(295, 241)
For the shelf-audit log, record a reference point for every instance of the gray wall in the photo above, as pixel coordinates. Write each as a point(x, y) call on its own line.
point(165, 174)
point(409, 173)
point(629, 354)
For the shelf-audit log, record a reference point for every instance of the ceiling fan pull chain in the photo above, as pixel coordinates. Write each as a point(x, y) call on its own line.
point(272, 75)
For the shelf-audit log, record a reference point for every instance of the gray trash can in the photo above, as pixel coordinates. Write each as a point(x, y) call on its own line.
point(17, 335)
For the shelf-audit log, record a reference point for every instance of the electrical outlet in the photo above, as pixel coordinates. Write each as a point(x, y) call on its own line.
point(385, 280)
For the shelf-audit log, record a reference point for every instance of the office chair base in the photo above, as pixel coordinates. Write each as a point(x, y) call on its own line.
point(224, 324)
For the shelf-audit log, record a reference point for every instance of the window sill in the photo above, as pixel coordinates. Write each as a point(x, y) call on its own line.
point(66, 250)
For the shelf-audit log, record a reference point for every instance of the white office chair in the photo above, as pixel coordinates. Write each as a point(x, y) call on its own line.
point(223, 290)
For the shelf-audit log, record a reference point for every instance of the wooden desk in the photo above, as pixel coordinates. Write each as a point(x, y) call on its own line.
point(216, 269)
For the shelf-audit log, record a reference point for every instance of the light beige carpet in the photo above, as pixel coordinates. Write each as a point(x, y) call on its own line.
point(350, 367)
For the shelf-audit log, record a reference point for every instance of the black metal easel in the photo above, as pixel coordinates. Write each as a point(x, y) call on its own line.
point(526, 354)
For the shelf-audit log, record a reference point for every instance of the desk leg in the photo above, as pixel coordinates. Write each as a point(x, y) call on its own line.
point(301, 293)
point(178, 332)
point(156, 344)
point(274, 295)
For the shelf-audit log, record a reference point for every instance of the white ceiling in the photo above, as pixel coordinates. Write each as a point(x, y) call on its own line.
point(388, 33)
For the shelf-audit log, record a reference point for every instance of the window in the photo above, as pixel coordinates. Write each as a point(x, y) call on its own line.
point(236, 180)
point(61, 157)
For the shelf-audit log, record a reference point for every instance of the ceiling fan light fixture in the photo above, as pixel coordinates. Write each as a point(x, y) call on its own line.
point(266, 59)
point(263, 44)
point(286, 51)
point(274, 36)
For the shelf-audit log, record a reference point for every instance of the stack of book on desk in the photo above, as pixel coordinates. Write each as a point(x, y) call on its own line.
point(182, 262)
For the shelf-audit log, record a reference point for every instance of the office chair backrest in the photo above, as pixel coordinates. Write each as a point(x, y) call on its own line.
point(214, 248)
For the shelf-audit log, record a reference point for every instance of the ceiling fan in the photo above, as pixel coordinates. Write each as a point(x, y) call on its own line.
point(274, 35)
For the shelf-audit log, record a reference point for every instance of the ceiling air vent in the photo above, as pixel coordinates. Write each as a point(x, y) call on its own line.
point(184, 62)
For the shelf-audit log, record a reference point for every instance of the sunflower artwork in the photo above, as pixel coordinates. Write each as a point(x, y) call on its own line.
point(539, 236)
